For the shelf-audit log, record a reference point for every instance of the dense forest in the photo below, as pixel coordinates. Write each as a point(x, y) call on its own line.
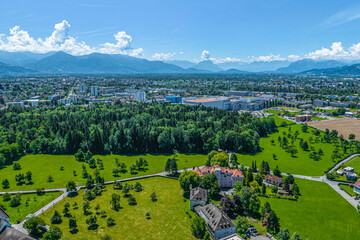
point(128, 128)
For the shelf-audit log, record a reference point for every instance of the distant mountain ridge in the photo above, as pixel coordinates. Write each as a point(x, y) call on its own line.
point(208, 65)
point(10, 69)
point(97, 63)
point(352, 70)
point(308, 64)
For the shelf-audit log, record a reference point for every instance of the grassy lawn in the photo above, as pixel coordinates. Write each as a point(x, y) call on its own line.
point(43, 165)
point(279, 120)
point(318, 118)
point(354, 163)
point(277, 112)
point(320, 213)
point(348, 189)
point(35, 202)
point(300, 163)
point(168, 217)
point(291, 109)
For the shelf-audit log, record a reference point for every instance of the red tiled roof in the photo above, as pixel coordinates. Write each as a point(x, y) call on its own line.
point(209, 170)
point(273, 178)
point(357, 184)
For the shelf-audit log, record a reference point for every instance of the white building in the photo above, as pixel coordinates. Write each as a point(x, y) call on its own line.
point(140, 96)
point(226, 177)
point(15, 104)
point(220, 103)
point(82, 88)
point(33, 102)
point(74, 98)
point(218, 223)
point(65, 101)
point(94, 91)
point(198, 196)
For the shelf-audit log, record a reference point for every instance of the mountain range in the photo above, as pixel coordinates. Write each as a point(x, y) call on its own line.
point(97, 63)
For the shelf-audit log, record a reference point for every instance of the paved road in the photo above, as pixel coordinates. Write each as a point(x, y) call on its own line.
point(34, 191)
point(65, 194)
point(347, 197)
point(344, 161)
point(332, 184)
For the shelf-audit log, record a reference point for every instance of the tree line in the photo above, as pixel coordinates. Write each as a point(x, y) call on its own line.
point(128, 128)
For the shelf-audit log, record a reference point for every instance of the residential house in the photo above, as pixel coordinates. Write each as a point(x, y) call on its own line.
point(232, 237)
point(350, 174)
point(6, 230)
point(274, 180)
point(218, 223)
point(357, 187)
point(226, 177)
point(198, 196)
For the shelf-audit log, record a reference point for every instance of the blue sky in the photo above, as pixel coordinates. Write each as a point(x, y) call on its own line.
point(230, 30)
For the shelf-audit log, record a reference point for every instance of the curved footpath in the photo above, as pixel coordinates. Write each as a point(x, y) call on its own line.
point(65, 194)
point(332, 184)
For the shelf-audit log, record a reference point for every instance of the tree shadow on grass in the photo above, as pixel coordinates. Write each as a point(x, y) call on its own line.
point(73, 194)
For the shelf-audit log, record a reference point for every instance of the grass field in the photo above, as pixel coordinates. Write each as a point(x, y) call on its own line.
point(168, 217)
point(290, 109)
point(344, 126)
point(354, 163)
point(318, 118)
point(277, 112)
point(319, 214)
point(35, 203)
point(279, 120)
point(43, 165)
point(301, 163)
point(348, 189)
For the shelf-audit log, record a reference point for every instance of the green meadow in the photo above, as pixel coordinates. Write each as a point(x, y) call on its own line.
point(168, 218)
point(42, 165)
point(319, 214)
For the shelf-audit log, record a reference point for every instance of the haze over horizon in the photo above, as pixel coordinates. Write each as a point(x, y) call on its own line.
point(231, 31)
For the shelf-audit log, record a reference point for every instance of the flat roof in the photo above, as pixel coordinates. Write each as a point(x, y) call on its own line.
point(203, 100)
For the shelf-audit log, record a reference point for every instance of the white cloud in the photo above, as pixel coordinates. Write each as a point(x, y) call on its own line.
point(122, 43)
point(60, 40)
point(163, 56)
point(205, 55)
point(268, 58)
point(225, 60)
point(139, 52)
point(336, 51)
point(342, 17)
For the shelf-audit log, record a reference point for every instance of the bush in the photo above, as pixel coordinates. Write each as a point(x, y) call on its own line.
point(132, 200)
point(6, 197)
point(15, 201)
point(56, 218)
point(153, 197)
point(110, 222)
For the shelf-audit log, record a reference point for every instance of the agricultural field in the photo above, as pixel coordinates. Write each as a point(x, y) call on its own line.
point(344, 126)
point(167, 215)
point(30, 203)
point(320, 213)
point(42, 165)
point(300, 163)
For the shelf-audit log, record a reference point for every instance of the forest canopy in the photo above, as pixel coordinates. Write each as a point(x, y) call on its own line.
point(128, 128)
